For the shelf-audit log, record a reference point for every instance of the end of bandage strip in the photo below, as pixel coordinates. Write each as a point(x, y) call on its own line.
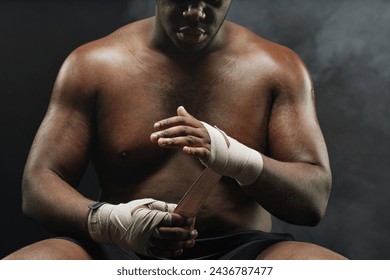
point(224, 136)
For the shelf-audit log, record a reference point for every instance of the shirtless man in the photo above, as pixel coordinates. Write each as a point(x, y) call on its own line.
point(133, 102)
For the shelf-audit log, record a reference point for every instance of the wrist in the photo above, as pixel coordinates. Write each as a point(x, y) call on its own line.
point(98, 222)
point(233, 159)
point(245, 164)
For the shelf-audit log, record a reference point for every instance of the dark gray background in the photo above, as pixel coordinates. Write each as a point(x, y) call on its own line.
point(345, 44)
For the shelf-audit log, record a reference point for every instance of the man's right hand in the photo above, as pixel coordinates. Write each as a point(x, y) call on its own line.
point(170, 241)
point(144, 226)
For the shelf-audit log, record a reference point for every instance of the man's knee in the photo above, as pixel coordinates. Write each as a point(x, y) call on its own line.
point(50, 249)
point(294, 250)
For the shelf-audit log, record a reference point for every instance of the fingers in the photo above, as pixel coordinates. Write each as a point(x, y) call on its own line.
point(198, 135)
point(162, 206)
point(182, 117)
point(181, 136)
point(174, 238)
point(171, 241)
point(185, 132)
point(180, 221)
point(201, 153)
point(169, 248)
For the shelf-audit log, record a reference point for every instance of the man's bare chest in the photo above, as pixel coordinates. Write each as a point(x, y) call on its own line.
point(127, 109)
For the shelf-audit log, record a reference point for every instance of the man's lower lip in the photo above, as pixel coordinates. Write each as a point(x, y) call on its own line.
point(191, 38)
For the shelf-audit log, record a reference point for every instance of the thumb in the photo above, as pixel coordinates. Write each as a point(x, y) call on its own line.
point(181, 111)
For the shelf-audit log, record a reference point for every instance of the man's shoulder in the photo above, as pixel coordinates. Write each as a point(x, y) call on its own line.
point(280, 64)
point(254, 45)
point(110, 49)
point(91, 63)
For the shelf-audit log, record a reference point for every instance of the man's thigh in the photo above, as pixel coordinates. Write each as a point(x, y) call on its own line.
point(294, 250)
point(51, 249)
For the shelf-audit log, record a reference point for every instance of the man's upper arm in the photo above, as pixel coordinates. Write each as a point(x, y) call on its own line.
point(64, 139)
point(294, 132)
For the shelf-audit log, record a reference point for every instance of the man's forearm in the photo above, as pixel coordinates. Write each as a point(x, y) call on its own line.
point(294, 192)
point(55, 204)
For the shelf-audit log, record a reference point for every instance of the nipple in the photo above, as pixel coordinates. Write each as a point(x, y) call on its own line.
point(124, 155)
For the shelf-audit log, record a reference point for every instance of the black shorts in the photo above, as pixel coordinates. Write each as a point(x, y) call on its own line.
point(238, 246)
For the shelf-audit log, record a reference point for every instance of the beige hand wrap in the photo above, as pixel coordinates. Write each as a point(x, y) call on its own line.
point(234, 160)
point(129, 225)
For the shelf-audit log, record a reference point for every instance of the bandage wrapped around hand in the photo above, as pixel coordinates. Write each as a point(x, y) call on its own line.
point(129, 225)
point(232, 158)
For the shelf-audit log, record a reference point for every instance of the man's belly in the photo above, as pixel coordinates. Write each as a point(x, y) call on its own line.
point(227, 209)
